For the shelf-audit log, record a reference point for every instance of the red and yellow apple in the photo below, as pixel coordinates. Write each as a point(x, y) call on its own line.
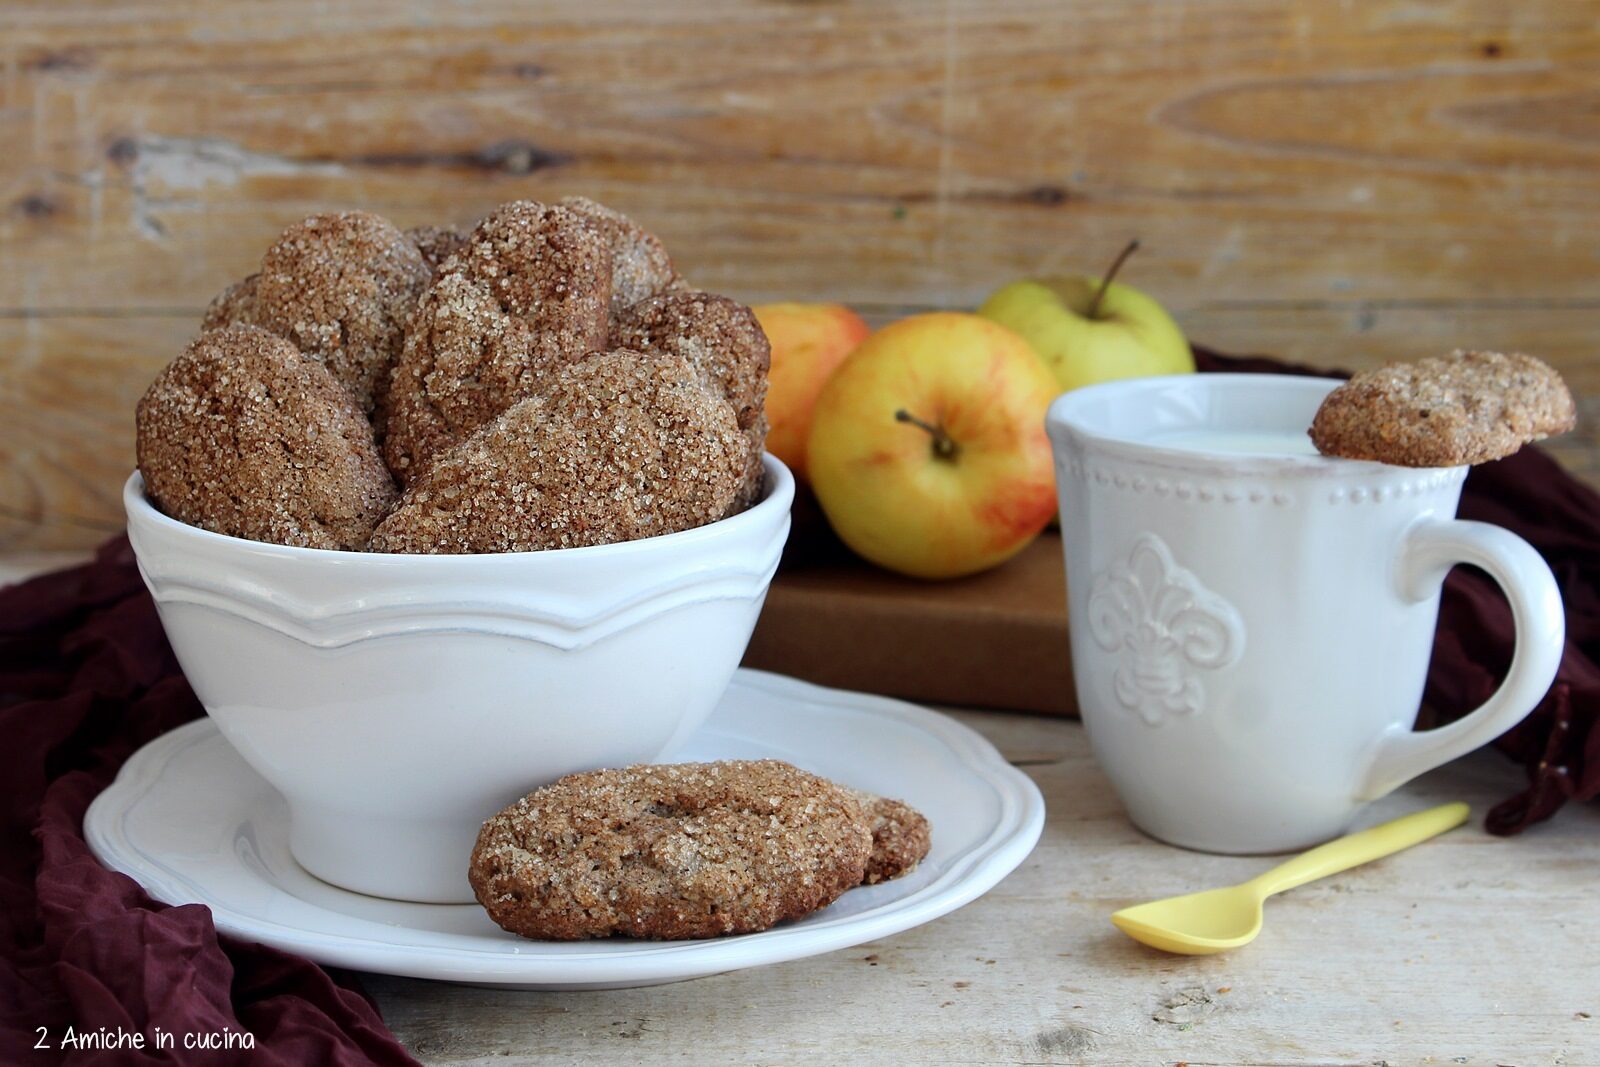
point(808, 342)
point(927, 449)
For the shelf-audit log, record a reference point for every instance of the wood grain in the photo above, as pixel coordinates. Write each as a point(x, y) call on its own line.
point(1465, 950)
point(1341, 183)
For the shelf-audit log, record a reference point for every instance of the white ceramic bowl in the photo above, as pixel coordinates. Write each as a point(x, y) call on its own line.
point(399, 700)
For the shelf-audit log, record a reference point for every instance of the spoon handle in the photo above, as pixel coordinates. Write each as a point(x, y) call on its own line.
point(1365, 846)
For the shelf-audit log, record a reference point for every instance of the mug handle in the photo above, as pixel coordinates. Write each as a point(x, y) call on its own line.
point(1431, 548)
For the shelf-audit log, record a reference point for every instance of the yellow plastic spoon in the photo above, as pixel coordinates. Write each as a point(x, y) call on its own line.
point(1219, 919)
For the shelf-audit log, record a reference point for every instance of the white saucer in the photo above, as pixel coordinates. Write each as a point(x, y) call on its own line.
point(192, 824)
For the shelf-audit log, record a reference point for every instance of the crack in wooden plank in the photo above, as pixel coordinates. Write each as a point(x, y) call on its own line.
point(502, 157)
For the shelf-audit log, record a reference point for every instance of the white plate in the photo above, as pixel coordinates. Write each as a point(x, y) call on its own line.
point(192, 824)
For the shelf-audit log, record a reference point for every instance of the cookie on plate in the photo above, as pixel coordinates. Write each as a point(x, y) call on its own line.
point(1468, 407)
point(617, 447)
point(901, 837)
point(670, 851)
point(242, 435)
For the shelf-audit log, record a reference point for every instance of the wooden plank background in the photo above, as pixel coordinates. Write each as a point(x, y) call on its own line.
point(1339, 182)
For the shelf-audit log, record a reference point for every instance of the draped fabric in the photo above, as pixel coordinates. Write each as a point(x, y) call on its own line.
point(86, 678)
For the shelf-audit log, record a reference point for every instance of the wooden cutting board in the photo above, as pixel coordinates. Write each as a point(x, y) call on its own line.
point(994, 640)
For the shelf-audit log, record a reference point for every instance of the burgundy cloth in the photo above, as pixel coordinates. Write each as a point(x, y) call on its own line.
point(86, 677)
point(1559, 744)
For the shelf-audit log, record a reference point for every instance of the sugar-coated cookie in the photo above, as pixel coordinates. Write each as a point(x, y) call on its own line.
point(716, 334)
point(640, 266)
point(901, 837)
point(670, 851)
point(615, 447)
point(243, 435)
point(1468, 407)
point(528, 293)
point(339, 287)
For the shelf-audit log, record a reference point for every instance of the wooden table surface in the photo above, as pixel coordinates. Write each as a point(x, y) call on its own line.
point(1469, 949)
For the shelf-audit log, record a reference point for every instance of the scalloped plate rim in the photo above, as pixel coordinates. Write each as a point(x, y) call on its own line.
point(970, 873)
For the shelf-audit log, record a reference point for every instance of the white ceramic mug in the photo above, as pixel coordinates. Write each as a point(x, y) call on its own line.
point(1252, 622)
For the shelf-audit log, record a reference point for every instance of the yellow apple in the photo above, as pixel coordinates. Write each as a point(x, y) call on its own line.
point(808, 342)
point(1087, 335)
point(927, 449)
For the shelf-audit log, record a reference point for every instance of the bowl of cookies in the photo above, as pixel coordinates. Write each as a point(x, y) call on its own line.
point(434, 516)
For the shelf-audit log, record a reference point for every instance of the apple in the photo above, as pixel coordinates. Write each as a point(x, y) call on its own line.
point(1090, 329)
point(927, 449)
point(808, 342)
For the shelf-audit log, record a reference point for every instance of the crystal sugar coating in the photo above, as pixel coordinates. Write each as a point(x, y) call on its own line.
point(242, 435)
point(234, 306)
point(339, 287)
point(1468, 407)
point(716, 334)
point(723, 338)
point(670, 851)
point(438, 334)
point(528, 293)
point(901, 837)
point(438, 243)
point(616, 447)
point(640, 266)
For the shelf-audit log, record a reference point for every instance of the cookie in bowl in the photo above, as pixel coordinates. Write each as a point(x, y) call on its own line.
point(242, 435)
point(722, 338)
point(438, 243)
point(340, 288)
point(529, 292)
point(640, 266)
point(438, 334)
point(617, 447)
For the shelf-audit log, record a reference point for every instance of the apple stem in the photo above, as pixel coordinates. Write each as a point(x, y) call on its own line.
point(944, 446)
point(1105, 283)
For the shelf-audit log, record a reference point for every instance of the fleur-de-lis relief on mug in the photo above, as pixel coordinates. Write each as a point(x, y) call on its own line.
point(1167, 628)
